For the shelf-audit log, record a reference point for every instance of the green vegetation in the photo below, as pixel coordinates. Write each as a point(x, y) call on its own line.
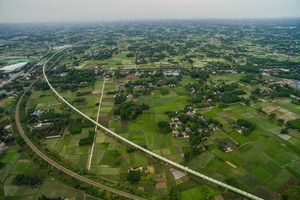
point(128, 110)
point(134, 176)
point(88, 140)
point(75, 128)
point(164, 127)
point(295, 124)
point(23, 179)
point(245, 126)
point(203, 84)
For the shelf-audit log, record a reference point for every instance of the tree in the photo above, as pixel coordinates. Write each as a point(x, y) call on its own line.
point(164, 127)
point(272, 115)
point(284, 131)
point(75, 128)
point(134, 176)
point(173, 193)
point(163, 91)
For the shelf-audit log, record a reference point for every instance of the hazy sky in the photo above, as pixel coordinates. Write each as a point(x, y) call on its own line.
point(104, 10)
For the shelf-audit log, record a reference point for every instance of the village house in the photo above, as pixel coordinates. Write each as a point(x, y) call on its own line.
point(228, 147)
point(3, 147)
point(37, 113)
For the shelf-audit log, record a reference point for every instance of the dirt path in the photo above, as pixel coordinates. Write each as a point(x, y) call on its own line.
point(88, 166)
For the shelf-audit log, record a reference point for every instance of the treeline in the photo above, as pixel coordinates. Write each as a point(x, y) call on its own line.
point(128, 110)
point(23, 179)
point(77, 125)
point(71, 79)
point(88, 140)
point(294, 124)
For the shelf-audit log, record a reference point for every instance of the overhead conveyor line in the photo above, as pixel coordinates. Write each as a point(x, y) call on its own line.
point(170, 162)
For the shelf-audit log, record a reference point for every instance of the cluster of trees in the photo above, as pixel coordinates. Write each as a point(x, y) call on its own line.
point(23, 179)
point(71, 79)
point(120, 98)
point(158, 79)
point(134, 176)
point(88, 140)
point(77, 125)
point(2, 165)
point(294, 124)
point(283, 91)
point(75, 128)
point(49, 116)
point(252, 79)
point(296, 102)
point(5, 135)
point(101, 54)
point(292, 192)
point(199, 74)
point(173, 193)
point(226, 93)
point(245, 126)
point(41, 85)
point(164, 127)
point(163, 91)
point(128, 110)
point(3, 95)
point(197, 127)
point(80, 99)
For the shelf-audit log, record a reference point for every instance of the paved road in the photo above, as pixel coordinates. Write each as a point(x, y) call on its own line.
point(165, 160)
point(58, 166)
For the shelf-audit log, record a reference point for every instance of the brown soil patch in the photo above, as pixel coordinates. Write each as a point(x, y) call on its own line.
point(131, 76)
point(41, 105)
point(277, 113)
point(233, 118)
point(160, 185)
point(80, 103)
point(270, 109)
point(104, 120)
point(96, 92)
point(213, 137)
point(141, 188)
point(229, 112)
point(124, 123)
point(289, 116)
point(151, 170)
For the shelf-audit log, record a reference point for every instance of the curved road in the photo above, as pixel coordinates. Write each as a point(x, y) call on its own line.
point(58, 166)
point(170, 162)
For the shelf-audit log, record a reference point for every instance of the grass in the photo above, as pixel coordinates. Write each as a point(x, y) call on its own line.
point(17, 163)
point(191, 190)
point(20, 167)
point(282, 160)
point(137, 159)
point(280, 179)
point(202, 159)
point(262, 174)
point(272, 167)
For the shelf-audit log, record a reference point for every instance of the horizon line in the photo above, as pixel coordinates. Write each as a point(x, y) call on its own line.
point(140, 20)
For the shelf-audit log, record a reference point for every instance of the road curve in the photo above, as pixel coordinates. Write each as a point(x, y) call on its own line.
point(58, 166)
point(165, 160)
